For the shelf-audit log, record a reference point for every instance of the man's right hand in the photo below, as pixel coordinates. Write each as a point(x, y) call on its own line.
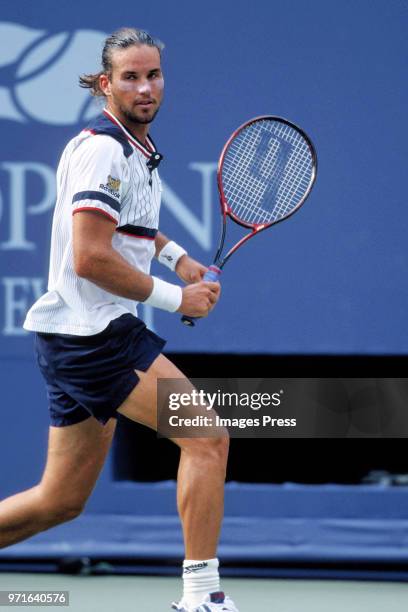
point(199, 298)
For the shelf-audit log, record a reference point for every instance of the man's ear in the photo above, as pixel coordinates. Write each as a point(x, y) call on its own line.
point(105, 84)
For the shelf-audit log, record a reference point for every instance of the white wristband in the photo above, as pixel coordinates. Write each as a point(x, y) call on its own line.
point(165, 295)
point(170, 254)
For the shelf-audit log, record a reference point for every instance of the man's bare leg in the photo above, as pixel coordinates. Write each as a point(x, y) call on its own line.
point(201, 474)
point(76, 454)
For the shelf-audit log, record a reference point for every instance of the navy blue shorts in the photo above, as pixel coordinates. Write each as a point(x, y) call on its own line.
point(93, 375)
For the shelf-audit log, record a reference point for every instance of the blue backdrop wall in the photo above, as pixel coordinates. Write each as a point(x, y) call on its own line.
point(330, 279)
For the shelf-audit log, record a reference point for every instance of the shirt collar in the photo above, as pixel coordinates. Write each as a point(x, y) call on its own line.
point(147, 148)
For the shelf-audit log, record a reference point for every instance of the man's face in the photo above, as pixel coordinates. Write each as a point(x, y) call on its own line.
point(135, 88)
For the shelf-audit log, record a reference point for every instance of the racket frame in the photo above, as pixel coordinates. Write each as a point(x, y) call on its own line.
point(226, 210)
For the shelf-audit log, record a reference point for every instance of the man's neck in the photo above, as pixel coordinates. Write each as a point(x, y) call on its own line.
point(140, 130)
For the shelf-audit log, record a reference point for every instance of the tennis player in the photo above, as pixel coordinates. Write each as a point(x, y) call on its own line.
point(97, 357)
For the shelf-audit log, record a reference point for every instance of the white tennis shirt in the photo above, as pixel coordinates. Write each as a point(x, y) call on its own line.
point(105, 169)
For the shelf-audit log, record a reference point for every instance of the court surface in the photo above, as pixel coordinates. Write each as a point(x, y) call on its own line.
point(154, 594)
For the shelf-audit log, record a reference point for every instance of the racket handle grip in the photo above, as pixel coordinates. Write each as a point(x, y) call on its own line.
point(212, 274)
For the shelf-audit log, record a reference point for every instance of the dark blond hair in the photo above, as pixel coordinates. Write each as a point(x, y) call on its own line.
point(121, 39)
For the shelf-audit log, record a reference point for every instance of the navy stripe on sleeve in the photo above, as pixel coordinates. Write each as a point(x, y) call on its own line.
point(138, 231)
point(97, 195)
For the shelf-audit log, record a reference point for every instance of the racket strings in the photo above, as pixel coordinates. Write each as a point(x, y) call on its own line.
point(267, 171)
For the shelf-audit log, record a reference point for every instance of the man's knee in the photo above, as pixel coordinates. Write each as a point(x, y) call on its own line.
point(214, 449)
point(60, 510)
point(64, 512)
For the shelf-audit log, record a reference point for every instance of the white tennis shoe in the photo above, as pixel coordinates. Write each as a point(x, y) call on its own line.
point(214, 602)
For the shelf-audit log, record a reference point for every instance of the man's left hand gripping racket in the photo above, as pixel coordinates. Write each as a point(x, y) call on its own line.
point(265, 172)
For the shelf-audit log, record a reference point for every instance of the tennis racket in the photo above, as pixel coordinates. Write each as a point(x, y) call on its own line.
point(266, 171)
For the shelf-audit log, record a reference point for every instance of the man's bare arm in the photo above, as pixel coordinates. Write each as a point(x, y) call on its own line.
point(96, 260)
point(160, 241)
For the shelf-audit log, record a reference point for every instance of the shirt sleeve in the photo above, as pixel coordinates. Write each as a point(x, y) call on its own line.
point(99, 174)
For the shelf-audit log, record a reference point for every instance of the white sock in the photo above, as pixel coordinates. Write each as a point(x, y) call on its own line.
point(199, 579)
